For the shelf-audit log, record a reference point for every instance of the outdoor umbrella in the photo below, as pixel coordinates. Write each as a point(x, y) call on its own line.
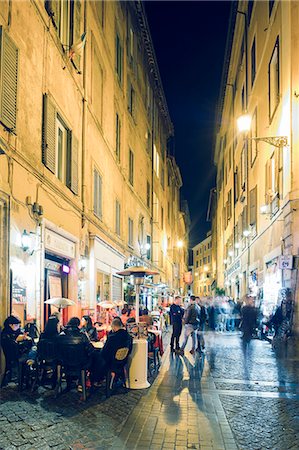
point(138, 272)
point(107, 304)
point(60, 302)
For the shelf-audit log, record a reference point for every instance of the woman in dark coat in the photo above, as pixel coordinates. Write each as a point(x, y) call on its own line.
point(88, 328)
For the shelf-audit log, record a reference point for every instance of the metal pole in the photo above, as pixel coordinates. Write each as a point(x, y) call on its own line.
point(137, 290)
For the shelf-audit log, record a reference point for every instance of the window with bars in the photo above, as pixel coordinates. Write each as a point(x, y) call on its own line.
point(97, 194)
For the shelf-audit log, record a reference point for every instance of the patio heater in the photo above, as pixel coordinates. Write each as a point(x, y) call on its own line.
point(139, 273)
point(138, 357)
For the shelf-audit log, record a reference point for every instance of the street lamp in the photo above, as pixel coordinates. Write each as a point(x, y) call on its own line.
point(179, 243)
point(244, 126)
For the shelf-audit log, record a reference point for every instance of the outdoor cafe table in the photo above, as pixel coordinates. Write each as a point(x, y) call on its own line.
point(98, 344)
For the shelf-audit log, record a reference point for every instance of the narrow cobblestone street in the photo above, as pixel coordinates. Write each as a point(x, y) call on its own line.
point(232, 398)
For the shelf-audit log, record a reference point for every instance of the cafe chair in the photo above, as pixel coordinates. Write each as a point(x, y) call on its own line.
point(47, 361)
point(153, 354)
point(118, 369)
point(74, 361)
point(14, 365)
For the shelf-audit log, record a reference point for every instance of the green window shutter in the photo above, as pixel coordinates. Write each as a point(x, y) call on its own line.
point(74, 166)
point(9, 81)
point(49, 133)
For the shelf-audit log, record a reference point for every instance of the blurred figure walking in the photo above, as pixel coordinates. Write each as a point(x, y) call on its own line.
point(176, 314)
point(248, 319)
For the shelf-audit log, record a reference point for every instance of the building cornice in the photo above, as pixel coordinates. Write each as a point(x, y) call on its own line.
point(153, 64)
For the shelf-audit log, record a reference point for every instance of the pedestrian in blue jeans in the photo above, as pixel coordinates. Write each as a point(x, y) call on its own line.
point(191, 320)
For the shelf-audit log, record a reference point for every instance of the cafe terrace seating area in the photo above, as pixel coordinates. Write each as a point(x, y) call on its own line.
point(62, 367)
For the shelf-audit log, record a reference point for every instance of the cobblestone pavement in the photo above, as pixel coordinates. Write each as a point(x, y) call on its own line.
point(231, 398)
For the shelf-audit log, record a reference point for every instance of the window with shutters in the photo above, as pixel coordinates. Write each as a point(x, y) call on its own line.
point(60, 147)
point(117, 137)
point(155, 208)
point(162, 178)
point(148, 194)
point(156, 161)
point(119, 58)
point(274, 82)
point(272, 177)
point(236, 185)
point(131, 167)
point(99, 6)
point(97, 194)
point(116, 288)
point(253, 207)
point(253, 144)
point(149, 143)
point(162, 217)
point(148, 247)
point(97, 86)
point(65, 15)
point(9, 81)
point(229, 205)
point(253, 62)
point(117, 217)
point(243, 167)
point(61, 151)
point(130, 232)
point(132, 101)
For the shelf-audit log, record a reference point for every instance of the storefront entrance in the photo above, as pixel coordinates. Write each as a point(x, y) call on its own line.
point(56, 283)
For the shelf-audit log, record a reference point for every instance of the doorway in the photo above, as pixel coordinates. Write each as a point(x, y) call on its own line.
point(56, 284)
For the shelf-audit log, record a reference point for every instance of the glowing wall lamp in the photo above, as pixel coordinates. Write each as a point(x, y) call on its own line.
point(244, 126)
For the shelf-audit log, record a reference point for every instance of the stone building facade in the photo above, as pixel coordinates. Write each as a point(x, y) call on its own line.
point(203, 268)
point(255, 222)
point(88, 180)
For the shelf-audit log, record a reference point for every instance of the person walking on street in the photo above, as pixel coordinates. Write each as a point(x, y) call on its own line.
point(191, 320)
point(201, 328)
point(248, 319)
point(176, 315)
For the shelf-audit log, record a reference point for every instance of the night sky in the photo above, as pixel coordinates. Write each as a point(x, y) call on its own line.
point(189, 40)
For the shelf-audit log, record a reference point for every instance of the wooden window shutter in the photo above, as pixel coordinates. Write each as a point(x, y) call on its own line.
point(9, 81)
point(253, 206)
point(76, 29)
point(268, 181)
point(277, 169)
point(75, 165)
point(49, 133)
point(244, 219)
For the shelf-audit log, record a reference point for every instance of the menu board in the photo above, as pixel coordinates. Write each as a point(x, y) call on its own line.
point(55, 286)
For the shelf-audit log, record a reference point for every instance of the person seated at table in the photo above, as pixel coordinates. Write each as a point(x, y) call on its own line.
point(145, 317)
point(119, 338)
point(101, 333)
point(71, 335)
point(16, 345)
point(89, 329)
point(51, 330)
